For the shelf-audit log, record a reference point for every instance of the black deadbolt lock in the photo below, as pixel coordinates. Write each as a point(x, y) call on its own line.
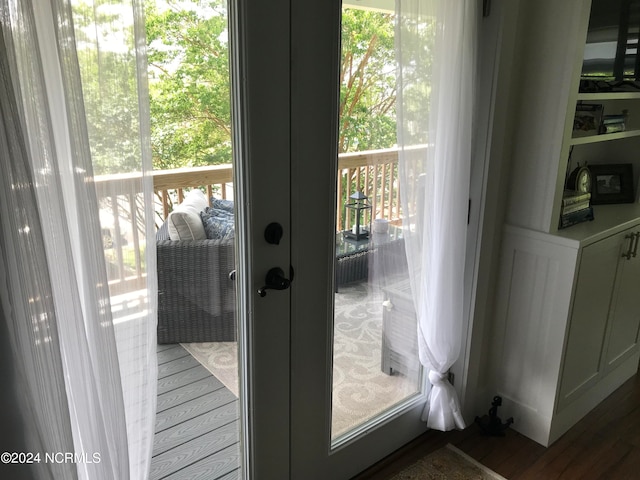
point(273, 233)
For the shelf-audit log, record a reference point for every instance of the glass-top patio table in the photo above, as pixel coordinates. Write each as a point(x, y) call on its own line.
point(353, 257)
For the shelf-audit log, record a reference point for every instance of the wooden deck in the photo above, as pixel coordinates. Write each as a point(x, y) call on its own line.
point(197, 430)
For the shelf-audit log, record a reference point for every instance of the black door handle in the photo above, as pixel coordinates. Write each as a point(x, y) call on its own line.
point(275, 280)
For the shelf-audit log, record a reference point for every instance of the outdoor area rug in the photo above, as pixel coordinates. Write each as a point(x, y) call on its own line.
point(360, 389)
point(447, 463)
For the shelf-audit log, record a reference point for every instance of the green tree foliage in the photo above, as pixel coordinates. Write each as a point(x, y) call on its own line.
point(367, 81)
point(108, 72)
point(188, 82)
point(420, 35)
point(190, 93)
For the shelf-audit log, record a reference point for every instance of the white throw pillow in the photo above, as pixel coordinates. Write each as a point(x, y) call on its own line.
point(184, 221)
point(195, 198)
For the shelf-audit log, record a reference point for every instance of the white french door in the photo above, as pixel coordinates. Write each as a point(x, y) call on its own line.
point(286, 71)
point(315, 61)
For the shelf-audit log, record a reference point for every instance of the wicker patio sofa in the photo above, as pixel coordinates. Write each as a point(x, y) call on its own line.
point(196, 296)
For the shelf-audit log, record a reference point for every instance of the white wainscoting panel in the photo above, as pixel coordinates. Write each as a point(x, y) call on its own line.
point(536, 281)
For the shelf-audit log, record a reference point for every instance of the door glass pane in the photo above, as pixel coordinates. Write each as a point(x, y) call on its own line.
point(198, 418)
point(375, 362)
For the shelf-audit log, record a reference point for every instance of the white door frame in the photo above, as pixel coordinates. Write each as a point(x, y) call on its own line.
point(261, 96)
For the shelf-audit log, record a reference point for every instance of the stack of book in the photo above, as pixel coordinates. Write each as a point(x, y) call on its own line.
point(576, 208)
point(613, 123)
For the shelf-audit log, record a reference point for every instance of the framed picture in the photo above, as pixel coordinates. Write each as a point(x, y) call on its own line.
point(611, 184)
point(587, 119)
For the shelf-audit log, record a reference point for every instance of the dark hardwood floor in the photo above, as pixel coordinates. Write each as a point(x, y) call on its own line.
point(603, 445)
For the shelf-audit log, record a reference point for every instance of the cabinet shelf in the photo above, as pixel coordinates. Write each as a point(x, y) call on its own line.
point(593, 97)
point(605, 97)
point(609, 220)
point(604, 137)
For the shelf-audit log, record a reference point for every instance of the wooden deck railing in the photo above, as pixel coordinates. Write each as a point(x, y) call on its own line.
point(120, 202)
point(375, 173)
point(170, 185)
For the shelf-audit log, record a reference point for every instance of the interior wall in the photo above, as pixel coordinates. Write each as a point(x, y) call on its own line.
point(498, 93)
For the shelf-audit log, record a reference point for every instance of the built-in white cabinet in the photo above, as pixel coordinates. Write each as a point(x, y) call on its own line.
point(567, 307)
point(624, 320)
point(567, 321)
point(603, 329)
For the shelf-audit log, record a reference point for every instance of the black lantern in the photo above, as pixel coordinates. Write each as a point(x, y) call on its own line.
point(355, 217)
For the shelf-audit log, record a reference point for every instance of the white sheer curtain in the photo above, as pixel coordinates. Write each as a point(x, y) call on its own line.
point(435, 45)
point(80, 315)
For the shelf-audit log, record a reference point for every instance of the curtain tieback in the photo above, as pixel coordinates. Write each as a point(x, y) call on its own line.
point(442, 411)
point(437, 378)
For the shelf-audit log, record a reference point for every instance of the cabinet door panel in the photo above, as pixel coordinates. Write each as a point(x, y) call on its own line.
point(596, 277)
point(625, 318)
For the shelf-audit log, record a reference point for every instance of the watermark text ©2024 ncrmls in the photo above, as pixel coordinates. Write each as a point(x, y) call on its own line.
point(49, 457)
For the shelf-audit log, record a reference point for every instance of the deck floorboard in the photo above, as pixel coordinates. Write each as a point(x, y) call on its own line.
point(188, 392)
point(170, 354)
point(176, 366)
point(197, 422)
point(181, 379)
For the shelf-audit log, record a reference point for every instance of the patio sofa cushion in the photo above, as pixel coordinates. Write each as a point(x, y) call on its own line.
point(222, 204)
point(184, 221)
point(218, 224)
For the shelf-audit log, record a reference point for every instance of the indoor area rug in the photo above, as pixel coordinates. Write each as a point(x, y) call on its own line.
point(360, 389)
point(447, 463)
